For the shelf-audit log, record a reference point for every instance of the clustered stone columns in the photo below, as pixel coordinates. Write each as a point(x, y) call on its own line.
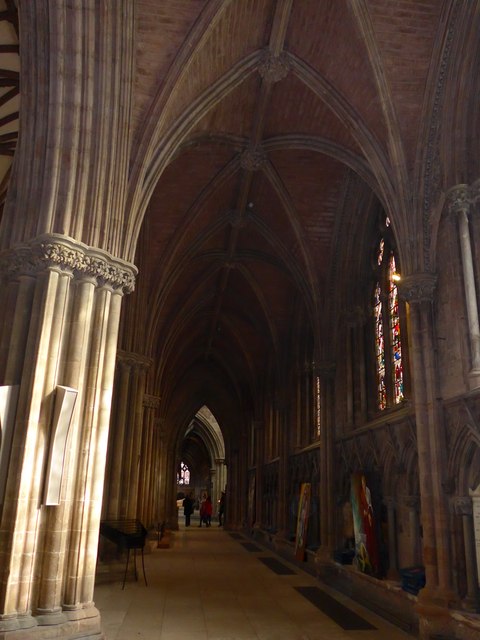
point(326, 372)
point(390, 503)
point(435, 598)
point(413, 505)
point(59, 328)
point(148, 466)
point(461, 199)
point(218, 477)
point(126, 438)
point(462, 506)
point(259, 427)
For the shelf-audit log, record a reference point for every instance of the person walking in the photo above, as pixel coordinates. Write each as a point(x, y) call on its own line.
point(188, 504)
point(221, 509)
point(208, 509)
point(203, 499)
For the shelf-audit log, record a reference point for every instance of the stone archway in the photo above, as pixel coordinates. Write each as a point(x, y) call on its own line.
point(202, 449)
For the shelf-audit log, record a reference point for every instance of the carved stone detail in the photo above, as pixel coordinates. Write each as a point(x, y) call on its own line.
point(459, 198)
point(253, 159)
point(57, 252)
point(419, 287)
point(325, 369)
point(274, 68)
point(151, 402)
point(462, 506)
point(134, 360)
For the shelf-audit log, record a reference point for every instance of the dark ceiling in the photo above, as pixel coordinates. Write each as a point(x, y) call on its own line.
point(282, 106)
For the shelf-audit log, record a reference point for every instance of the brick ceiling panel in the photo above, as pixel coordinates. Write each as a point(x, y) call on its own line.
point(404, 33)
point(219, 51)
point(183, 206)
point(298, 110)
point(326, 36)
point(234, 115)
point(161, 29)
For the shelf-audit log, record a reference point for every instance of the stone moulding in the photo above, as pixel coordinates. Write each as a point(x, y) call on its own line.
point(57, 252)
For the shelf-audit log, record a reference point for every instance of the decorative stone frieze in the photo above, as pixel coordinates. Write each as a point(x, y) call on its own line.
point(274, 68)
point(253, 158)
point(419, 287)
point(57, 252)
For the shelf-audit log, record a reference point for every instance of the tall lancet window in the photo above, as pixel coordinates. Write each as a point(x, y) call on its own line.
point(389, 360)
point(396, 343)
point(380, 349)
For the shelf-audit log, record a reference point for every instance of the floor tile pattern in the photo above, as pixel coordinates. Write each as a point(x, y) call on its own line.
point(207, 586)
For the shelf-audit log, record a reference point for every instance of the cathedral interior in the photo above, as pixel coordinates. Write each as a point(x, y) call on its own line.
point(239, 251)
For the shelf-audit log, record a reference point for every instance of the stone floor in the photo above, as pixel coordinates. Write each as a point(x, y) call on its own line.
point(211, 586)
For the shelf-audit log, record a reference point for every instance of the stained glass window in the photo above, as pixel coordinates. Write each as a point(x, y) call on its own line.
point(183, 477)
point(380, 349)
point(389, 357)
point(396, 345)
point(317, 406)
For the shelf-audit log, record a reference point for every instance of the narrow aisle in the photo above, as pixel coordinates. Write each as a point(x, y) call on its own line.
point(215, 585)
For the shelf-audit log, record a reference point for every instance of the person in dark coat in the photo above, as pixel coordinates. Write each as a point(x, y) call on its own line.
point(188, 504)
point(221, 509)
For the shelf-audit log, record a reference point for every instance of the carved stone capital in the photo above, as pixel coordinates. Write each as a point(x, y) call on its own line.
point(133, 360)
point(60, 253)
point(151, 402)
point(462, 506)
point(418, 287)
point(325, 369)
point(274, 68)
point(459, 198)
point(253, 158)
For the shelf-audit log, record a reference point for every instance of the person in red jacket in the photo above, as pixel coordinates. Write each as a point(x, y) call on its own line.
point(206, 512)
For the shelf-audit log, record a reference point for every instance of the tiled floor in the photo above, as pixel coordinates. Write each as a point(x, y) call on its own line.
point(208, 586)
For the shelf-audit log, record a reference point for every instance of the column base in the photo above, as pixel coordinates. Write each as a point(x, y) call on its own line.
point(434, 614)
point(81, 624)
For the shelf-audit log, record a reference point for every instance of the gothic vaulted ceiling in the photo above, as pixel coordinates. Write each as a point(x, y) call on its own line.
point(262, 131)
point(258, 116)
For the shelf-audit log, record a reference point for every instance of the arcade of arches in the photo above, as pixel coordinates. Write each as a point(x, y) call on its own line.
point(266, 208)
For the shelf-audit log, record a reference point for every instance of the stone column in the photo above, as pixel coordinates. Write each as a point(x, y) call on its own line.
point(418, 291)
point(48, 553)
point(147, 475)
point(326, 372)
point(139, 365)
point(413, 505)
point(463, 507)
point(126, 437)
point(117, 442)
point(459, 205)
point(160, 482)
point(392, 539)
point(260, 441)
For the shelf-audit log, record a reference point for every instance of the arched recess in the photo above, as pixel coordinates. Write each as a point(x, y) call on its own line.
point(202, 447)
